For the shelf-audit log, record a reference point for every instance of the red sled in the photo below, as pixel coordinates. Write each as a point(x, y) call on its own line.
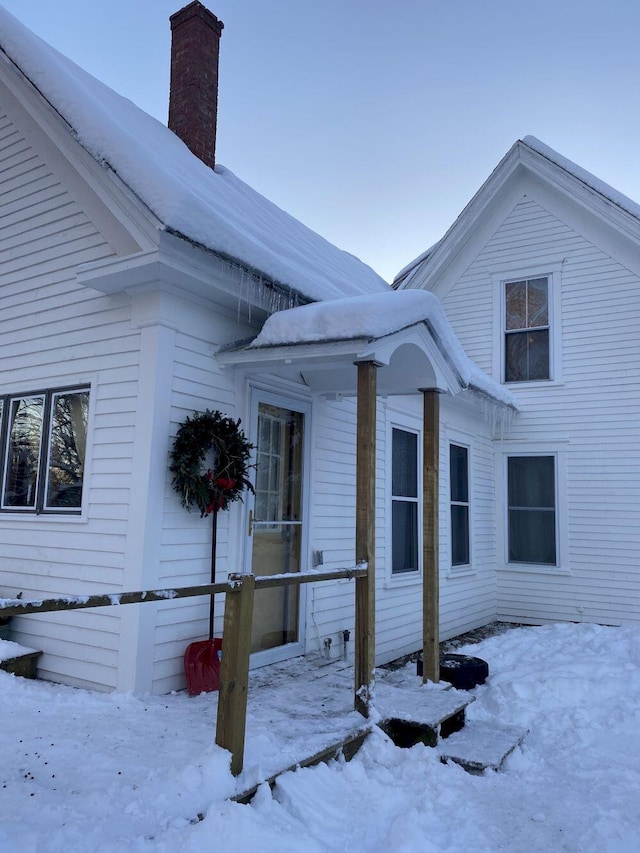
point(202, 666)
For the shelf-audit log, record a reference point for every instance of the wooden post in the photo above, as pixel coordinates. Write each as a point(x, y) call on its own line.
point(430, 537)
point(234, 670)
point(365, 534)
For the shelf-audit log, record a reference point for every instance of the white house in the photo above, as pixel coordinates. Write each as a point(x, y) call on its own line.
point(140, 283)
point(539, 277)
point(128, 269)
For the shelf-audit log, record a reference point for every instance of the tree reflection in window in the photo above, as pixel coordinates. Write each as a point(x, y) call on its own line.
point(67, 446)
point(23, 456)
point(44, 450)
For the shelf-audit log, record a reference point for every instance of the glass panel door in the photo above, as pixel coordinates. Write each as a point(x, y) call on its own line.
point(276, 525)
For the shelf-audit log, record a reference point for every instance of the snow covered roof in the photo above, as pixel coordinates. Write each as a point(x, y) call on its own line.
point(376, 316)
point(528, 150)
point(212, 208)
point(406, 271)
point(581, 174)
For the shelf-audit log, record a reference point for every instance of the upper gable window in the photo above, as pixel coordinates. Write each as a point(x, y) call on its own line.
point(526, 330)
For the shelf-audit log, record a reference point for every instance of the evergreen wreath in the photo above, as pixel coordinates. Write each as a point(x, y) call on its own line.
point(214, 440)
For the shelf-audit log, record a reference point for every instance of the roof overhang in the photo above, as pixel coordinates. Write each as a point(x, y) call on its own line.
point(409, 360)
point(578, 199)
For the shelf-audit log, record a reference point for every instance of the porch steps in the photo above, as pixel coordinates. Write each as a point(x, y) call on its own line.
point(422, 715)
point(408, 714)
point(481, 746)
point(19, 660)
point(345, 748)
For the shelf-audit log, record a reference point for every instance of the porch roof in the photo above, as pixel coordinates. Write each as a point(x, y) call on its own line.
point(406, 333)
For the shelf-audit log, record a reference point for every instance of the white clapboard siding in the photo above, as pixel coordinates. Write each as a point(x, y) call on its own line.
point(468, 594)
point(591, 417)
point(398, 605)
point(185, 556)
point(57, 333)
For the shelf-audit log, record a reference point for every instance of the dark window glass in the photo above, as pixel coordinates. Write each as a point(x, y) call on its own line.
point(459, 487)
point(527, 330)
point(404, 532)
point(404, 501)
point(459, 470)
point(459, 535)
point(532, 510)
point(405, 464)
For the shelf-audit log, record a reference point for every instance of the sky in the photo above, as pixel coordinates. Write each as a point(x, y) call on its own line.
point(375, 122)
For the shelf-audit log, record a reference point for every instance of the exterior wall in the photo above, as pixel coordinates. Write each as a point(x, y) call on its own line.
point(467, 596)
point(588, 418)
point(331, 605)
point(468, 593)
point(55, 333)
point(184, 556)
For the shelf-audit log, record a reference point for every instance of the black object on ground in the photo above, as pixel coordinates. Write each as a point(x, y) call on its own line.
point(463, 672)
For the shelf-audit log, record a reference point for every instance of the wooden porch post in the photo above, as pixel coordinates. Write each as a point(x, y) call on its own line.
point(365, 534)
point(234, 670)
point(430, 537)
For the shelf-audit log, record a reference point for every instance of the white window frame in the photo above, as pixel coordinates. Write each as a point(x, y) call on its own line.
point(562, 565)
point(552, 272)
point(459, 441)
point(406, 425)
point(41, 507)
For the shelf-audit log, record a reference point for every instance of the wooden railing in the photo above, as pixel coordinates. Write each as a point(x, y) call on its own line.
point(238, 619)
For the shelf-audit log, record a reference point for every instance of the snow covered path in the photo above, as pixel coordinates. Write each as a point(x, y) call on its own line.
point(90, 772)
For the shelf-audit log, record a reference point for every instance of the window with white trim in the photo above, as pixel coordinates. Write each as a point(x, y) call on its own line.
point(404, 501)
point(44, 440)
point(527, 330)
point(459, 504)
point(532, 510)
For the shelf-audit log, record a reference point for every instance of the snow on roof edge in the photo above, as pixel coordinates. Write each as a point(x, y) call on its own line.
point(408, 269)
point(214, 209)
point(586, 177)
point(534, 144)
point(375, 316)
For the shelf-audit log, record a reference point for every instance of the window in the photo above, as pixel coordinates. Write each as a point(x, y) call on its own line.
point(404, 501)
point(531, 490)
point(459, 498)
point(44, 439)
point(526, 337)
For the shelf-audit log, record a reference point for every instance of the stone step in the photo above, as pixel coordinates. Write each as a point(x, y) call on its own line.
point(429, 705)
point(481, 746)
point(421, 715)
point(19, 660)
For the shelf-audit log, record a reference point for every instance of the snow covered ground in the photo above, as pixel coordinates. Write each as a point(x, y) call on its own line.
point(92, 772)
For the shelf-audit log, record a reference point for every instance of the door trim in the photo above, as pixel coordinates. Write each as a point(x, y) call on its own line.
point(259, 395)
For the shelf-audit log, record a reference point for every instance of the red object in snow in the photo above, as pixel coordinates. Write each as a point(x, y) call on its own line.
point(202, 666)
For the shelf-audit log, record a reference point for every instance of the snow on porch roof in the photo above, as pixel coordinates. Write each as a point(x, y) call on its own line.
point(212, 208)
point(368, 318)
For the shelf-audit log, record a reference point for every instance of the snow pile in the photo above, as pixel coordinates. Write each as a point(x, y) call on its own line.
point(84, 772)
point(374, 316)
point(10, 650)
point(215, 209)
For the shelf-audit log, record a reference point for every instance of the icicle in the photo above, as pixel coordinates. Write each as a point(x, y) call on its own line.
point(499, 416)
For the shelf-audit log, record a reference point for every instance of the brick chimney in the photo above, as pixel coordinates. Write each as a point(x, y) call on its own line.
point(193, 95)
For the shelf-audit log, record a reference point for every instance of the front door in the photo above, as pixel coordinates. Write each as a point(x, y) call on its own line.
point(275, 528)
